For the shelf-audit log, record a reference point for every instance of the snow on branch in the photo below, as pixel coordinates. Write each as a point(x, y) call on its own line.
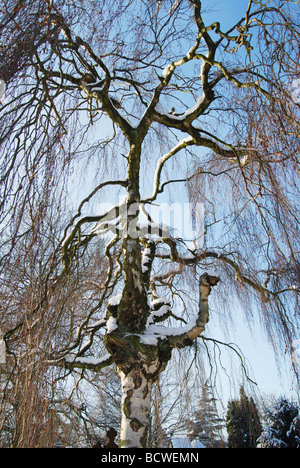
point(161, 162)
point(73, 362)
point(160, 310)
point(179, 337)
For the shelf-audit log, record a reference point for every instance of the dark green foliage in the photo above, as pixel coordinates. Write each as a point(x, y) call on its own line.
point(243, 422)
point(283, 426)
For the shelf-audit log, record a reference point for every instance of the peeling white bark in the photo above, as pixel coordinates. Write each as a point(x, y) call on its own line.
point(135, 409)
point(2, 352)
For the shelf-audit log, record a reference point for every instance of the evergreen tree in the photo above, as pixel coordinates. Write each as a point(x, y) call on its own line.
point(207, 425)
point(243, 422)
point(283, 426)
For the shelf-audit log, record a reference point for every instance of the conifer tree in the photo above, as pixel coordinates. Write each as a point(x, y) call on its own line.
point(283, 426)
point(207, 425)
point(243, 422)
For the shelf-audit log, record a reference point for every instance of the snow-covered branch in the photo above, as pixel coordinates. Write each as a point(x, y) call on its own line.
point(179, 337)
point(94, 364)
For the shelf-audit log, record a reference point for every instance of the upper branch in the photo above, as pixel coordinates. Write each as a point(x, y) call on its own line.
point(179, 337)
point(197, 257)
point(93, 364)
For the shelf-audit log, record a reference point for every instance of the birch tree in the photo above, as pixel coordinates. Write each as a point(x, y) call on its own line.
point(150, 95)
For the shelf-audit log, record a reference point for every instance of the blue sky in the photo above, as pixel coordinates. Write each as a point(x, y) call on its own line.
point(272, 374)
point(263, 368)
point(227, 12)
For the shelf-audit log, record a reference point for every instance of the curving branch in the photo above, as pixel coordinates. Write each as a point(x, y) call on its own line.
point(96, 365)
point(180, 337)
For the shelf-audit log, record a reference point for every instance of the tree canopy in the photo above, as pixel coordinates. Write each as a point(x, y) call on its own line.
point(151, 98)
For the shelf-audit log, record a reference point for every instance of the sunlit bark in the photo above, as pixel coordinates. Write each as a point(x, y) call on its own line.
point(233, 118)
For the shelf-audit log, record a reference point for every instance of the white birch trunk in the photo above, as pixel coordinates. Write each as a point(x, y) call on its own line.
point(2, 349)
point(135, 409)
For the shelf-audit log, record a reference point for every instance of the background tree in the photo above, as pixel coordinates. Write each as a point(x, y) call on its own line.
point(243, 422)
point(42, 405)
point(282, 429)
point(119, 87)
point(206, 424)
